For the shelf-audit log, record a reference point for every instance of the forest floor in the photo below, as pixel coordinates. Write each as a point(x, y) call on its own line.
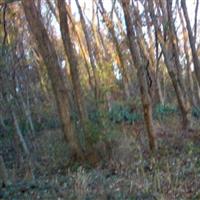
point(130, 172)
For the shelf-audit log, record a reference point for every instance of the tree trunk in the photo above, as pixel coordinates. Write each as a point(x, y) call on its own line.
point(27, 114)
point(120, 59)
point(192, 41)
point(19, 134)
point(173, 39)
point(171, 60)
point(90, 51)
point(3, 173)
point(48, 53)
point(154, 59)
point(78, 38)
point(29, 173)
point(189, 78)
point(73, 63)
point(141, 63)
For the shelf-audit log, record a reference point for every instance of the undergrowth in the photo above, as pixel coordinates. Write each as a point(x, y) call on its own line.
point(127, 169)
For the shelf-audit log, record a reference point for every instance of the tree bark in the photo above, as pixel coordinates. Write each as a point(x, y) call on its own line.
point(196, 60)
point(78, 38)
point(141, 63)
point(189, 77)
point(73, 63)
point(27, 112)
point(154, 59)
point(171, 60)
point(90, 51)
point(175, 52)
point(19, 134)
point(120, 59)
point(30, 173)
point(48, 53)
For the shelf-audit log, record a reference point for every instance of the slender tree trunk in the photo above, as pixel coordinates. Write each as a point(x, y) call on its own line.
point(154, 59)
point(159, 92)
point(41, 73)
point(170, 61)
point(196, 60)
point(120, 59)
point(189, 78)
point(73, 63)
point(3, 173)
point(98, 35)
point(22, 141)
point(141, 63)
point(48, 53)
point(52, 8)
point(79, 41)
point(175, 50)
point(27, 114)
point(91, 84)
point(19, 134)
point(90, 51)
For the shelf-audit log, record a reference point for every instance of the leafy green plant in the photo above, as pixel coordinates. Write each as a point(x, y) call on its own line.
point(123, 113)
point(165, 110)
point(94, 132)
point(196, 112)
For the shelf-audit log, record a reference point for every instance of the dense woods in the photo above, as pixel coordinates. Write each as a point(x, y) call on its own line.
point(99, 99)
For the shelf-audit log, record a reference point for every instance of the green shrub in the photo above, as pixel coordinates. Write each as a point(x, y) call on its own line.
point(94, 116)
point(162, 111)
point(196, 112)
point(94, 133)
point(123, 113)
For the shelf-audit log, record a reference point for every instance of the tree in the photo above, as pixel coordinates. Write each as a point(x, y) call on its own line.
point(169, 49)
point(48, 53)
point(192, 41)
point(73, 63)
point(141, 63)
point(120, 59)
point(189, 79)
point(90, 51)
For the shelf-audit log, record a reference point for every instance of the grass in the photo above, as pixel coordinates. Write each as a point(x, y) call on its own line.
point(129, 172)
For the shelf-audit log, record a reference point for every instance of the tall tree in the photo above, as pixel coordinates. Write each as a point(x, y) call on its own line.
point(169, 49)
point(110, 25)
point(48, 53)
point(154, 56)
point(141, 63)
point(90, 50)
point(73, 63)
point(189, 79)
point(192, 39)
